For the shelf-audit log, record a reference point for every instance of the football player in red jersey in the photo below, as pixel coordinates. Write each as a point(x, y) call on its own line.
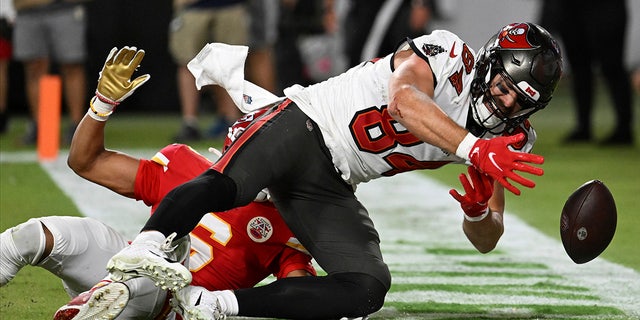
point(228, 250)
point(431, 102)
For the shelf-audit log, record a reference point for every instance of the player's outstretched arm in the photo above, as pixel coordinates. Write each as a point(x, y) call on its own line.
point(411, 88)
point(87, 155)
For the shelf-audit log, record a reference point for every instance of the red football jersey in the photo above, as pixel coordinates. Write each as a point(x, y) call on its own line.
point(232, 249)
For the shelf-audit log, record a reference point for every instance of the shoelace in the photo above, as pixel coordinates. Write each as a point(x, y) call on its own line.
point(166, 245)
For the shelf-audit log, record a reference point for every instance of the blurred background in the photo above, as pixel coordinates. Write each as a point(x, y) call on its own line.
point(145, 24)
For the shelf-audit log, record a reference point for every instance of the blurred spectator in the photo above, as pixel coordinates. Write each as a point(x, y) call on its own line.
point(262, 37)
point(635, 79)
point(196, 23)
point(299, 20)
point(375, 27)
point(7, 16)
point(52, 30)
point(593, 33)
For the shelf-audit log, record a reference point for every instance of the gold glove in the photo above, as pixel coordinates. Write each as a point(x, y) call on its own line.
point(114, 82)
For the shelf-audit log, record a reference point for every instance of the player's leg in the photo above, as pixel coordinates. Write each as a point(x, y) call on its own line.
point(73, 248)
point(613, 18)
point(69, 52)
point(356, 285)
point(337, 231)
point(213, 191)
point(24, 244)
point(582, 80)
point(229, 25)
point(30, 48)
point(325, 216)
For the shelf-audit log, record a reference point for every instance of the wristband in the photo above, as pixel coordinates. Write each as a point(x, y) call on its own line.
point(465, 146)
point(477, 218)
point(96, 117)
point(99, 110)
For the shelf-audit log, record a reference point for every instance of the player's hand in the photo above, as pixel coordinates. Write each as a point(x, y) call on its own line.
point(479, 189)
point(114, 82)
point(494, 158)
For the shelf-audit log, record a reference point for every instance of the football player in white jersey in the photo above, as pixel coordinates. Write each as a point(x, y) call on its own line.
point(431, 102)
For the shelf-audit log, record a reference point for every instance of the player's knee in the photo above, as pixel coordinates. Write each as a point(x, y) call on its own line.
point(221, 186)
point(368, 293)
point(31, 240)
point(24, 244)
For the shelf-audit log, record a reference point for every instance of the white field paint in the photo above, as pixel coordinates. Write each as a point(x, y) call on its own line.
point(415, 217)
point(123, 214)
point(414, 214)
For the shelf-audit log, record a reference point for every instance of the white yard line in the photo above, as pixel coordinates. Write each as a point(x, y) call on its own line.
point(410, 208)
point(125, 215)
point(416, 216)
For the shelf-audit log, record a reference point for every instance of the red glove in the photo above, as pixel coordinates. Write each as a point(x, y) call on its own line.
point(478, 188)
point(494, 158)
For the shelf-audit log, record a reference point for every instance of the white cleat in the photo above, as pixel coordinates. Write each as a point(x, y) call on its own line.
point(105, 301)
point(152, 260)
point(197, 303)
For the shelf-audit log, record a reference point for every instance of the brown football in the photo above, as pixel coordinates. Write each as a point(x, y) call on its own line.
point(588, 221)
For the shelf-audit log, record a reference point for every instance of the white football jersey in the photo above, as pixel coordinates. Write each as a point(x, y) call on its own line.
point(351, 110)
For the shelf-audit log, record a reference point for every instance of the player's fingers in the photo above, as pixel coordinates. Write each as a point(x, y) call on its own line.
point(515, 139)
point(137, 58)
point(520, 180)
point(466, 184)
point(487, 186)
point(111, 56)
point(128, 55)
point(454, 193)
point(120, 55)
point(139, 81)
point(529, 157)
point(476, 180)
point(508, 186)
point(528, 169)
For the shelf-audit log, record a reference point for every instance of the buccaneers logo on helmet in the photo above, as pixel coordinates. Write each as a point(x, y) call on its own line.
point(514, 36)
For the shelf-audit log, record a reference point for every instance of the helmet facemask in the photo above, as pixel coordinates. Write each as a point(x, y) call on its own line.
point(527, 58)
point(488, 114)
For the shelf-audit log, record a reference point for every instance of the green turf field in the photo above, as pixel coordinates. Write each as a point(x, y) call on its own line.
point(26, 190)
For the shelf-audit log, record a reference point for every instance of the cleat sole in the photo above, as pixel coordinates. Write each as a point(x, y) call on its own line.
point(104, 304)
point(160, 275)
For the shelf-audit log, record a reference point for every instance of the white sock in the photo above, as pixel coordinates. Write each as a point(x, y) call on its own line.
point(228, 302)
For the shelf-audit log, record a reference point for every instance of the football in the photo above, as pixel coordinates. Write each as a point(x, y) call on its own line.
point(588, 221)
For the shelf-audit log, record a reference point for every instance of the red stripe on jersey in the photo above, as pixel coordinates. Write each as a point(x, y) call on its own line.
point(222, 163)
